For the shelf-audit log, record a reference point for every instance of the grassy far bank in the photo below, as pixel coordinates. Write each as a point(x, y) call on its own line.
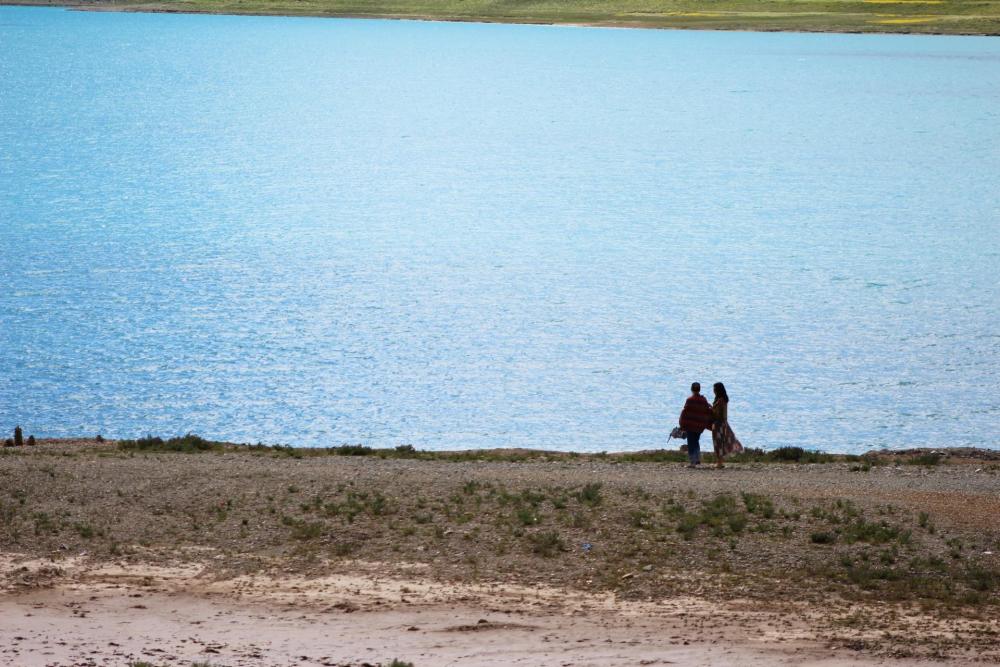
point(959, 17)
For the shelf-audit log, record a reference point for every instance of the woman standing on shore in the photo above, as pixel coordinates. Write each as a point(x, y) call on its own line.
point(723, 439)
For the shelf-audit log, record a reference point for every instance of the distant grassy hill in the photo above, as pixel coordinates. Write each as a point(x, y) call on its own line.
point(980, 17)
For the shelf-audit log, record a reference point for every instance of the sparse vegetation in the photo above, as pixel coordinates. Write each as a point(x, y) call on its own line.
point(191, 443)
point(305, 530)
point(564, 523)
point(353, 450)
point(547, 543)
point(929, 459)
point(188, 443)
point(590, 494)
point(527, 516)
point(85, 531)
point(644, 530)
point(872, 532)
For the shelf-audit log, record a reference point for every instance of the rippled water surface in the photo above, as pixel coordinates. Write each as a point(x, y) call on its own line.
point(452, 235)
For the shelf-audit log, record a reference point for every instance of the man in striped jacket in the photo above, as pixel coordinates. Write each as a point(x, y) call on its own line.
point(695, 418)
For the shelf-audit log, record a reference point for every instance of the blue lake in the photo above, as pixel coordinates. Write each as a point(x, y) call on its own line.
point(319, 232)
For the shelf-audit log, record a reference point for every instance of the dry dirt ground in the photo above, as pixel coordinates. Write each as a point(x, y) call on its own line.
point(265, 558)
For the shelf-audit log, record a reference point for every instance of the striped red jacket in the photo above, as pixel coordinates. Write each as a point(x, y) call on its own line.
point(697, 414)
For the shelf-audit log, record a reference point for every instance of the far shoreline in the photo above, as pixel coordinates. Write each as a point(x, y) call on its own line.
point(664, 21)
point(192, 443)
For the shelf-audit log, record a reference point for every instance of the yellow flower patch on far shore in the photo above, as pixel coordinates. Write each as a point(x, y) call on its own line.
point(898, 21)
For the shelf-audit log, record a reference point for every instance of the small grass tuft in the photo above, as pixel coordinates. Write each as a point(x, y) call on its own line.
point(929, 459)
point(787, 454)
point(590, 494)
point(546, 544)
point(351, 450)
point(527, 516)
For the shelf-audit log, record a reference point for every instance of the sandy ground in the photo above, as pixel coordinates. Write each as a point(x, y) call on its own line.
point(120, 614)
point(109, 557)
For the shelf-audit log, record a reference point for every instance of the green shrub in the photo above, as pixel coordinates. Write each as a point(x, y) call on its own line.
point(687, 525)
point(344, 549)
point(758, 504)
point(787, 454)
point(737, 523)
point(639, 519)
point(930, 459)
point(527, 516)
point(749, 454)
point(980, 579)
point(351, 450)
point(303, 530)
point(546, 544)
point(872, 533)
point(533, 498)
point(799, 455)
point(715, 513)
point(868, 577)
point(590, 494)
point(186, 443)
point(85, 531)
point(655, 456)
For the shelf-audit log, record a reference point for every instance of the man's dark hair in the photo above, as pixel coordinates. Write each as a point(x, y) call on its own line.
point(696, 387)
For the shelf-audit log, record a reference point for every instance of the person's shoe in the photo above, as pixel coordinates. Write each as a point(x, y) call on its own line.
point(719, 465)
point(692, 465)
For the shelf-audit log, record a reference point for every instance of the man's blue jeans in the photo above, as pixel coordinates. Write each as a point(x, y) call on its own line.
point(694, 447)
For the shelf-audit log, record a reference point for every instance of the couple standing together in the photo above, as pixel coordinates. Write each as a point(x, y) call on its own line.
point(698, 415)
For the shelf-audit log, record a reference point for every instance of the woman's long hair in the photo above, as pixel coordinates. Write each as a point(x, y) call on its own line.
point(720, 391)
